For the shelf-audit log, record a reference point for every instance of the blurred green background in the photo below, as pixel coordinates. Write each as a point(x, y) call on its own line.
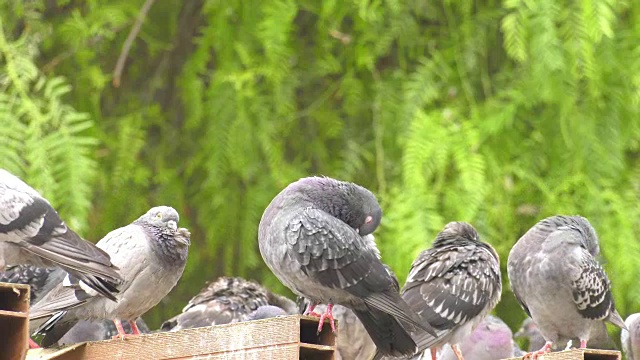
point(496, 113)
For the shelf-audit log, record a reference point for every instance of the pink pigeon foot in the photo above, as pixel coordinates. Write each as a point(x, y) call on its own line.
point(33, 344)
point(327, 315)
point(545, 349)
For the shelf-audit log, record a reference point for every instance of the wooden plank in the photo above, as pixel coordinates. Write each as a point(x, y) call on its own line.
point(580, 354)
point(14, 324)
point(276, 338)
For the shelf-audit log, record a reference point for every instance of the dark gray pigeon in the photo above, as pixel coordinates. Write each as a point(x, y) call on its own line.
point(453, 285)
point(492, 339)
point(631, 338)
point(558, 282)
point(315, 237)
point(226, 300)
point(31, 232)
point(151, 253)
point(353, 341)
point(97, 330)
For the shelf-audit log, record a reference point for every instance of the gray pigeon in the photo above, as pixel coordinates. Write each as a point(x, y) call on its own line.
point(31, 232)
point(529, 330)
point(492, 339)
point(266, 312)
point(315, 237)
point(226, 300)
point(453, 285)
point(630, 338)
point(558, 282)
point(599, 338)
point(151, 253)
point(97, 330)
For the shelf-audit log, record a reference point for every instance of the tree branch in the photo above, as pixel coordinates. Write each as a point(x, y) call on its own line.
point(117, 72)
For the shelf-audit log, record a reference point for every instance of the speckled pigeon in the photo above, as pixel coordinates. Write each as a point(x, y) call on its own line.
point(492, 339)
point(630, 338)
point(315, 237)
point(31, 232)
point(226, 300)
point(40, 280)
point(558, 282)
point(453, 285)
point(151, 253)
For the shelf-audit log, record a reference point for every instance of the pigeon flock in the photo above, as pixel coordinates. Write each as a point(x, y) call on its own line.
point(316, 236)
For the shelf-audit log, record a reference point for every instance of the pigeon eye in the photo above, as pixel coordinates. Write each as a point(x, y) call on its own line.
point(159, 215)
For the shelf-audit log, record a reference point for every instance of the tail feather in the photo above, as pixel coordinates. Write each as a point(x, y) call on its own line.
point(54, 329)
point(616, 320)
point(387, 333)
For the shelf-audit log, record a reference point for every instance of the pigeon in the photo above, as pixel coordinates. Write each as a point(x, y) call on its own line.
point(630, 338)
point(453, 285)
point(40, 280)
point(558, 282)
point(97, 330)
point(529, 330)
point(353, 341)
point(315, 237)
point(31, 232)
point(226, 300)
point(492, 339)
point(266, 312)
point(151, 253)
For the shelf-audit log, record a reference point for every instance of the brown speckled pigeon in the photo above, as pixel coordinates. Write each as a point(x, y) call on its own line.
point(558, 282)
point(453, 285)
point(151, 254)
point(315, 237)
point(226, 300)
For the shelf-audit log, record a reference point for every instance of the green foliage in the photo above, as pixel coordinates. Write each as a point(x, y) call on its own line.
point(498, 114)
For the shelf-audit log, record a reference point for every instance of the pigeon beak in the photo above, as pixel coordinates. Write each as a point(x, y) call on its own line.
point(172, 225)
point(358, 231)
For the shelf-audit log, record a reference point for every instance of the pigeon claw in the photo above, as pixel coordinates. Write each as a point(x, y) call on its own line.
point(33, 344)
point(327, 315)
point(583, 344)
point(123, 336)
point(457, 351)
point(534, 355)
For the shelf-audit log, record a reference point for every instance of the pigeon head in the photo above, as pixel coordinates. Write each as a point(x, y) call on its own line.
point(266, 312)
point(456, 232)
point(528, 329)
point(351, 203)
point(163, 217)
point(582, 226)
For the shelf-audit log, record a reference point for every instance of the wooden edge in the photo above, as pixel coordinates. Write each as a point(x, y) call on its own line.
point(18, 314)
point(579, 354)
point(317, 347)
point(284, 331)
